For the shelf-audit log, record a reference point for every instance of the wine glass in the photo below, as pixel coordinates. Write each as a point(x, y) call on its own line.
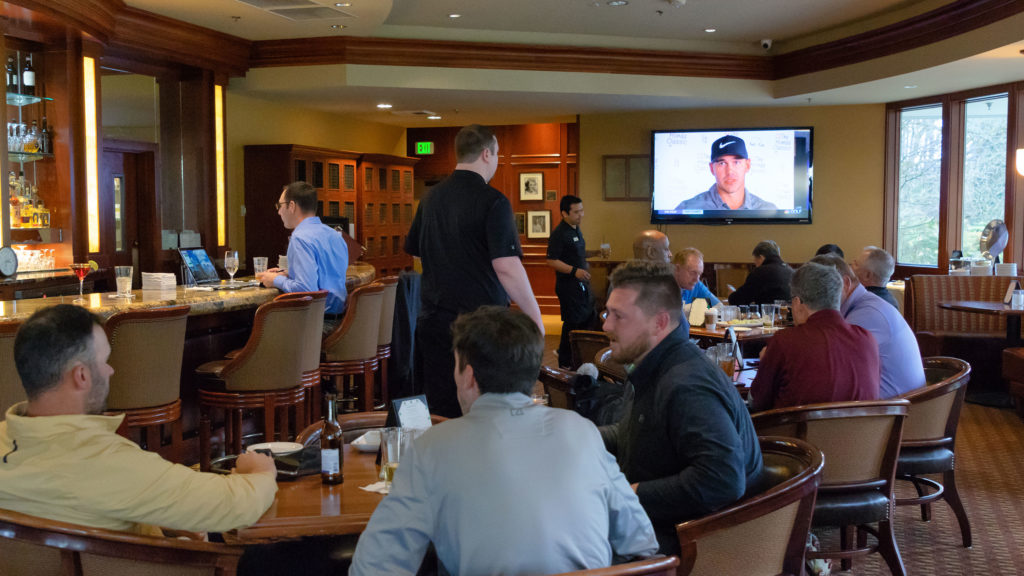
point(81, 270)
point(231, 264)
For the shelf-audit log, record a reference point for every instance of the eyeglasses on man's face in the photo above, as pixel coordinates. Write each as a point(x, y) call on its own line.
point(278, 205)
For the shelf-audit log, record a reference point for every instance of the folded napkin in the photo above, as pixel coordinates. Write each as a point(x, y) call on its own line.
point(158, 281)
point(378, 487)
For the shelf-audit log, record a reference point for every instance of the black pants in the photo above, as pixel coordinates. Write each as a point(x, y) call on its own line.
point(578, 313)
point(434, 362)
point(565, 349)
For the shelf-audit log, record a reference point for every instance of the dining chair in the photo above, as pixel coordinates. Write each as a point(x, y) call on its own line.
point(265, 376)
point(929, 439)
point(769, 524)
point(861, 443)
point(386, 331)
point(146, 350)
point(608, 368)
point(584, 345)
point(311, 350)
point(657, 566)
point(11, 390)
point(558, 387)
point(351, 349)
point(30, 545)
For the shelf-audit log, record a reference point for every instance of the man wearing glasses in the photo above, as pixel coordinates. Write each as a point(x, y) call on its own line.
point(317, 254)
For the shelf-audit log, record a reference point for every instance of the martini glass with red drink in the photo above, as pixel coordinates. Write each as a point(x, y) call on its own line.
point(81, 270)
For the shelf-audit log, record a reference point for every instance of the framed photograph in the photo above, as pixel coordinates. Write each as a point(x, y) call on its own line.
point(521, 223)
point(531, 186)
point(539, 222)
point(550, 195)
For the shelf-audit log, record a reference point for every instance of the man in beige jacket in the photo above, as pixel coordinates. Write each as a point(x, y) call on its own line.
point(61, 459)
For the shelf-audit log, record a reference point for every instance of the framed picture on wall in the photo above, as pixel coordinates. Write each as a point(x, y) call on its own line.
point(539, 222)
point(531, 186)
point(550, 195)
point(521, 223)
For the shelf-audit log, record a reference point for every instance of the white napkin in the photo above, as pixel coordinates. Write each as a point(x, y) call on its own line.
point(158, 281)
point(377, 487)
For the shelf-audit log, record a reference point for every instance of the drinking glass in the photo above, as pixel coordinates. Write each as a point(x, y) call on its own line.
point(231, 264)
point(259, 265)
point(391, 443)
point(744, 311)
point(123, 276)
point(726, 358)
point(768, 315)
point(282, 262)
point(81, 270)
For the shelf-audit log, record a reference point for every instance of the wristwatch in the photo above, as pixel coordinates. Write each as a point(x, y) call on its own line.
point(8, 261)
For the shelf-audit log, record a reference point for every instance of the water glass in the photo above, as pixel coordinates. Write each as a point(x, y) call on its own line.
point(1017, 300)
point(259, 265)
point(743, 312)
point(231, 263)
point(123, 276)
point(392, 444)
point(768, 312)
point(282, 262)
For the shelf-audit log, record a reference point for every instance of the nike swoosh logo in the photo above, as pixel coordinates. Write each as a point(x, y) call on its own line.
point(724, 144)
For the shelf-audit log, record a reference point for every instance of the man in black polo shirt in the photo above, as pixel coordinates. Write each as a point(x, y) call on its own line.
point(567, 254)
point(466, 238)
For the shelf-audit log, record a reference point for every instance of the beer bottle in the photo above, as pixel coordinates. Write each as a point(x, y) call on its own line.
point(332, 452)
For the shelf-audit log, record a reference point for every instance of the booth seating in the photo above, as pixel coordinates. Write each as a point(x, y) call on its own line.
point(861, 442)
point(351, 350)
point(265, 375)
point(11, 391)
point(31, 546)
point(766, 531)
point(929, 439)
point(975, 338)
point(146, 348)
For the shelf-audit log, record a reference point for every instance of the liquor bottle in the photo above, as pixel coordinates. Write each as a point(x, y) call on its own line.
point(45, 144)
point(32, 139)
point(28, 78)
point(13, 195)
point(332, 453)
point(12, 76)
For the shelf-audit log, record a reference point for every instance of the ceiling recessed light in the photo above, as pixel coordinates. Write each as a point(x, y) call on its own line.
point(910, 86)
point(383, 106)
point(710, 30)
point(453, 16)
point(337, 26)
point(434, 117)
point(618, 2)
point(342, 4)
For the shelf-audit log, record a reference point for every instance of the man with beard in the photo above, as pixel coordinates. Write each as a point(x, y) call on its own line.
point(687, 444)
point(61, 459)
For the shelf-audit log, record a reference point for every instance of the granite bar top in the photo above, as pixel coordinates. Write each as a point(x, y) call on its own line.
point(202, 301)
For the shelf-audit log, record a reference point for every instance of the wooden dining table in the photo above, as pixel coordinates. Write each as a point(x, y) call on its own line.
point(306, 507)
point(1012, 315)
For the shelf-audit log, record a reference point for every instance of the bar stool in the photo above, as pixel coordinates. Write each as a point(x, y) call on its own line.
point(351, 350)
point(146, 348)
point(11, 390)
point(262, 376)
point(387, 325)
point(311, 350)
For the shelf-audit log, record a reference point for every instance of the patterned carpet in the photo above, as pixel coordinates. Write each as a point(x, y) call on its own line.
point(990, 475)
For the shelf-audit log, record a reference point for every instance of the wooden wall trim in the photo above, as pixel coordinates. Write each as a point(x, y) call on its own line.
point(95, 17)
point(147, 37)
point(940, 24)
point(448, 54)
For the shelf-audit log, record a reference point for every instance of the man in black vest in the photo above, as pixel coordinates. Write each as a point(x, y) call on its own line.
point(567, 254)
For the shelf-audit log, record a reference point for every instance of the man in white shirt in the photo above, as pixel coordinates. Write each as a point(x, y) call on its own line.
point(511, 487)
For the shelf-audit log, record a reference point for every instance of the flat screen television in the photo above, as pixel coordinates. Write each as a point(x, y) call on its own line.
point(746, 175)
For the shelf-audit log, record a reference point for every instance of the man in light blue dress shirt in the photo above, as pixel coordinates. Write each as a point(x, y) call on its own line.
point(317, 253)
point(511, 487)
point(899, 354)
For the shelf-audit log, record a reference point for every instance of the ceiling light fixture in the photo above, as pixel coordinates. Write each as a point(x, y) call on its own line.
point(342, 4)
point(618, 2)
point(454, 16)
point(910, 86)
point(337, 26)
point(711, 30)
point(677, 3)
point(383, 106)
point(434, 117)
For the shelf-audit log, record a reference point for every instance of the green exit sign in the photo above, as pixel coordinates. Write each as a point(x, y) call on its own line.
point(424, 147)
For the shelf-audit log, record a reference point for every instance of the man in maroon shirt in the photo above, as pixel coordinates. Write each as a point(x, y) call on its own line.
point(823, 358)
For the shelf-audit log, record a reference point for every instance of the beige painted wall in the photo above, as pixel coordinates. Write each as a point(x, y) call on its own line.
point(254, 121)
point(848, 178)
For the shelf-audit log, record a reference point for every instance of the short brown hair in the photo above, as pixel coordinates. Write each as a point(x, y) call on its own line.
point(303, 194)
point(471, 141)
point(655, 284)
point(503, 346)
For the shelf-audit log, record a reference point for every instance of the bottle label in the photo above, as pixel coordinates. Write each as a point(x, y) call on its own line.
point(329, 461)
point(29, 78)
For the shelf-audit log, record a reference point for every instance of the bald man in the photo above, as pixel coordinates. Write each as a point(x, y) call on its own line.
point(651, 245)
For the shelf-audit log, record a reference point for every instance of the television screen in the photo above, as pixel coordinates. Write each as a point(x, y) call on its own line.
point(749, 175)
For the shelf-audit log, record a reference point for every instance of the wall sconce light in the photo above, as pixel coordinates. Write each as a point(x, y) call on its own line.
point(92, 180)
point(218, 130)
point(1020, 161)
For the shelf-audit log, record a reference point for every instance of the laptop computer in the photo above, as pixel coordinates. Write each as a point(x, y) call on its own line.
point(198, 264)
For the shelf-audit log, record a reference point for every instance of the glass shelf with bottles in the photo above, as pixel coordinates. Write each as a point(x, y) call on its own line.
point(20, 100)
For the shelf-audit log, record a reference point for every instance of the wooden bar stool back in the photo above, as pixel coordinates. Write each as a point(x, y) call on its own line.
point(265, 375)
point(311, 350)
point(146, 348)
point(387, 325)
point(351, 350)
point(11, 390)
